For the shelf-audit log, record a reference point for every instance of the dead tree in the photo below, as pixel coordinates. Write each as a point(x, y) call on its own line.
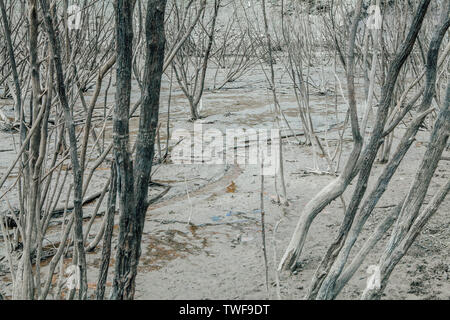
point(77, 170)
point(410, 222)
point(323, 285)
point(338, 186)
point(133, 181)
point(191, 63)
point(12, 61)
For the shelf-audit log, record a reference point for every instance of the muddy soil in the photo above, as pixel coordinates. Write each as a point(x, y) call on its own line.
point(219, 255)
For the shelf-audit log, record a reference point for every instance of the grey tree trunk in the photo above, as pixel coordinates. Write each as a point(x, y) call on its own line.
point(133, 183)
point(12, 62)
point(337, 261)
point(337, 187)
point(107, 237)
point(318, 288)
point(410, 223)
point(70, 126)
point(123, 157)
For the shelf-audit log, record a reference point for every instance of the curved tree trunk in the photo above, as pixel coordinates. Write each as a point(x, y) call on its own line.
point(337, 187)
point(410, 223)
point(336, 260)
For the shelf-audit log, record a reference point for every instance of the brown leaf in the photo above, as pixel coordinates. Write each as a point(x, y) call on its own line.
point(231, 188)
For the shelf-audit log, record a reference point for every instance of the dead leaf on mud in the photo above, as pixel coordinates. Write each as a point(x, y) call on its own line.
point(167, 245)
point(231, 188)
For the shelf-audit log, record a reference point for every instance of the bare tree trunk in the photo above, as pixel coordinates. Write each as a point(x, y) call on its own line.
point(371, 79)
point(148, 120)
point(410, 223)
point(198, 96)
point(12, 62)
point(383, 180)
point(24, 273)
point(133, 195)
point(76, 168)
point(319, 289)
point(123, 157)
point(278, 110)
point(107, 237)
point(337, 186)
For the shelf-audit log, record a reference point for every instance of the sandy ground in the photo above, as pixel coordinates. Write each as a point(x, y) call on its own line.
point(220, 255)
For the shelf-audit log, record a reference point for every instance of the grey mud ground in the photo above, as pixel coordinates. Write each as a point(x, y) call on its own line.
point(220, 257)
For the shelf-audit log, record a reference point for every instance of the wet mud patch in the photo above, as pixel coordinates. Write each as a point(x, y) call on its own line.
point(164, 246)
